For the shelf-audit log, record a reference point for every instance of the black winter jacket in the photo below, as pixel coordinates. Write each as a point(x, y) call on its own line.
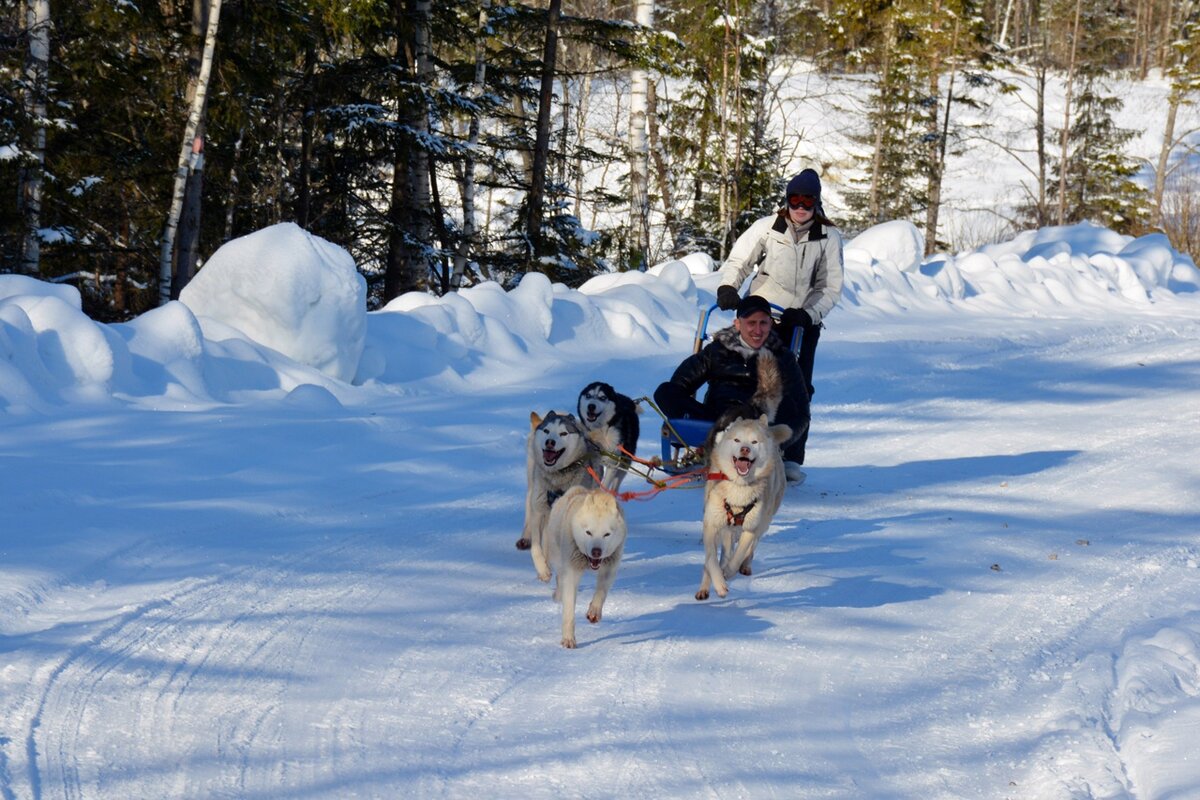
point(730, 368)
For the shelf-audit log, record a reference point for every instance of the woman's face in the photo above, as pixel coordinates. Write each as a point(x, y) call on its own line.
point(800, 214)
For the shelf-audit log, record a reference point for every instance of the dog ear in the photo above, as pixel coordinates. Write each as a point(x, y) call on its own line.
point(763, 419)
point(780, 433)
point(534, 420)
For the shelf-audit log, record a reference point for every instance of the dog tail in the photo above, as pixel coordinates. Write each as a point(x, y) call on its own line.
point(769, 393)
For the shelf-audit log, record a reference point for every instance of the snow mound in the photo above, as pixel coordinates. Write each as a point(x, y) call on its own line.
point(1050, 270)
point(289, 290)
point(896, 244)
point(499, 337)
point(50, 351)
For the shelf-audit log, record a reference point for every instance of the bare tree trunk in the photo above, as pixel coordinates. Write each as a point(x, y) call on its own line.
point(662, 169)
point(889, 46)
point(120, 300)
point(468, 168)
point(231, 200)
point(185, 154)
point(408, 260)
point(582, 113)
point(1062, 168)
point(1043, 210)
point(187, 245)
point(307, 125)
point(639, 154)
point(735, 167)
point(37, 75)
point(938, 161)
point(1004, 27)
point(1164, 153)
point(541, 145)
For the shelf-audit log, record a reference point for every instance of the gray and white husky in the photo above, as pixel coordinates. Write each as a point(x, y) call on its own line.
point(557, 457)
point(611, 421)
point(585, 530)
point(743, 500)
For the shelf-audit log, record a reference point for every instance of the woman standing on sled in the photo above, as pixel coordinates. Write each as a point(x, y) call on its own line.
point(798, 256)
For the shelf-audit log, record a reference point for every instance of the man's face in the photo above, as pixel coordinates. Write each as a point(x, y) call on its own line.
point(754, 328)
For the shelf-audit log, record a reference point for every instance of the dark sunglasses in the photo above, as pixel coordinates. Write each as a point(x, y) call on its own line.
point(805, 201)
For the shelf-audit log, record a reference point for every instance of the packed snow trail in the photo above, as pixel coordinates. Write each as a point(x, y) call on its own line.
point(275, 600)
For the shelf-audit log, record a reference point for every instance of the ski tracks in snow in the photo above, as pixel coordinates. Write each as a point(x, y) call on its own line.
point(183, 687)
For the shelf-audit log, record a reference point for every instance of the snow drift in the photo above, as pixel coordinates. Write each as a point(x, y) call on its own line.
point(280, 309)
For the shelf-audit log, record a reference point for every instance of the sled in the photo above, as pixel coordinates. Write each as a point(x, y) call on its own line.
point(683, 439)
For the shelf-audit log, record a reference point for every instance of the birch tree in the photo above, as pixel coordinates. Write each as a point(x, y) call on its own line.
point(37, 77)
point(1066, 128)
point(186, 153)
point(1184, 74)
point(639, 198)
point(467, 169)
point(186, 253)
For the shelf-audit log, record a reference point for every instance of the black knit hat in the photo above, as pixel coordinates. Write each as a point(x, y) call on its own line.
point(808, 182)
point(751, 304)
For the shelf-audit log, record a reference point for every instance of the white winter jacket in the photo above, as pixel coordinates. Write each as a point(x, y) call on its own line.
point(805, 274)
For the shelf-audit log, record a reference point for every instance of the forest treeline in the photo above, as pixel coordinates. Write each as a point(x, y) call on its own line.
point(446, 143)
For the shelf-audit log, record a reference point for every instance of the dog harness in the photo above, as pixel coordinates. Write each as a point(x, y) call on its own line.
point(738, 518)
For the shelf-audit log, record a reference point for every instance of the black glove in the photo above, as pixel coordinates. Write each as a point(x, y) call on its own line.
point(727, 298)
point(795, 318)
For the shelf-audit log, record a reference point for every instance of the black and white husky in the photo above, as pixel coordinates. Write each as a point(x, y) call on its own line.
point(611, 421)
point(557, 457)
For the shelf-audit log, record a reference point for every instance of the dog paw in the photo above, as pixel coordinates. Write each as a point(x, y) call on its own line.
point(568, 642)
point(702, 594)
point(745, 570)
point(544, 576)
point(523, 544)
point(593, 615)
point(722, 592)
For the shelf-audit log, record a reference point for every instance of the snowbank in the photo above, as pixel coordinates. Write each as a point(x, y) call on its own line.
point(1048, 271)
point(281, 309)
point(289, 290)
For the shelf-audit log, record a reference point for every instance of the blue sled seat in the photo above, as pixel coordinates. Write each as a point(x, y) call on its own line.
point(693, 432)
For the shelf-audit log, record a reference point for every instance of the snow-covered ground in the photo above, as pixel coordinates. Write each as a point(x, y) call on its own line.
point(225, 572)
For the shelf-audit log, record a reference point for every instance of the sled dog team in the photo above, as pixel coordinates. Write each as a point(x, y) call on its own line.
point(573, 525)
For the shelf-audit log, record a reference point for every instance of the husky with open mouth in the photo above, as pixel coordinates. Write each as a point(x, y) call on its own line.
point(557, 457)
point(585, 532)
point(611, 421)
point(744, 490)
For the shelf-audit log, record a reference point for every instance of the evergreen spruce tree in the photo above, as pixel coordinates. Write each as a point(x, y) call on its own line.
point(1097, 175)
point(897, 119)
point(727, 164)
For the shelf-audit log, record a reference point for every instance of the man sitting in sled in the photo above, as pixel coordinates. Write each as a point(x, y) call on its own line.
point(749, 371)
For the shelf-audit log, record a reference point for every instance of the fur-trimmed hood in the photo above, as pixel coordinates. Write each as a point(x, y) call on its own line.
point(729, 337)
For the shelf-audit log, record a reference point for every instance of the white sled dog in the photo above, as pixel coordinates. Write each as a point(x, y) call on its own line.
point(586, 530)
point(556, 458)
point(611, 421)
point(742, 502)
